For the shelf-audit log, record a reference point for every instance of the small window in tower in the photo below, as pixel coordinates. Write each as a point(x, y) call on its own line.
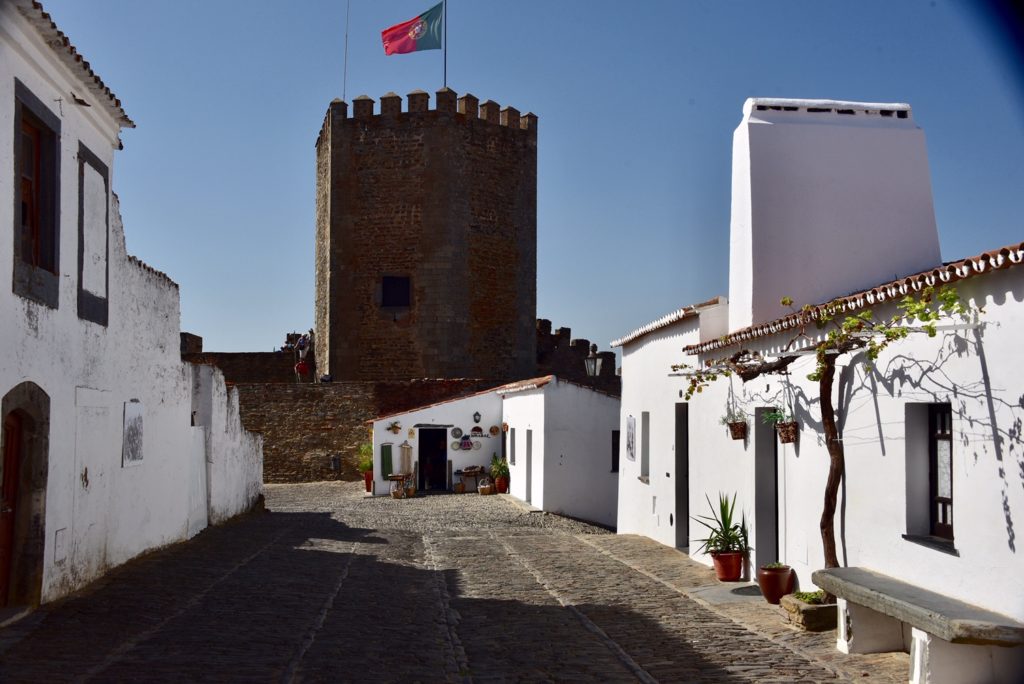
point(395, 292)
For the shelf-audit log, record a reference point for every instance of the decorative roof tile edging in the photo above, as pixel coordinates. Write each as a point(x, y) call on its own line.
point(33, 11)
point(665, 321)
point(954, 271)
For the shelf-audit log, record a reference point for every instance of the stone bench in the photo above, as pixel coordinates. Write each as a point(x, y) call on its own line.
point(949, 640)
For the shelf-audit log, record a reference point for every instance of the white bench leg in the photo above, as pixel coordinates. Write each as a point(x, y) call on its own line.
point(862, 630)
point(935, 661)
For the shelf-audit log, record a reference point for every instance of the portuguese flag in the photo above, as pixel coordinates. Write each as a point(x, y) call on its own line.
point(421, 33)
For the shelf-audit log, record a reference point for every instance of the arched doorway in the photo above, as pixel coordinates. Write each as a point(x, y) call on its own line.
point(25, 412)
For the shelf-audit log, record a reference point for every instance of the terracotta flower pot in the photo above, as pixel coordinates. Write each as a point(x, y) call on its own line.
point(775, 582)
point(738, 430)
point(787, 432)
point(502, 484)
point(728, 565)
point(368, 480)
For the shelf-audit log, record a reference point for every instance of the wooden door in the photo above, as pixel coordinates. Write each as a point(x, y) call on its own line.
point(8, 499)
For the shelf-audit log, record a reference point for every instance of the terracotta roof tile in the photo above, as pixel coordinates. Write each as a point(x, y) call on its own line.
point(665, 321)
point(33, 11)
point(951, 272)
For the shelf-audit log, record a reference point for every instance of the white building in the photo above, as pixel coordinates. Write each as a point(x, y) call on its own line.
point(831, 198)
point(111, 445)
point(559, 438)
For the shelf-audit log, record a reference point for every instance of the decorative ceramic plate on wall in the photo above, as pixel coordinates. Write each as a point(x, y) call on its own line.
point(476, 446)
point(494, 430)
point(477, 431)
point(456, 432)
point(455, 445)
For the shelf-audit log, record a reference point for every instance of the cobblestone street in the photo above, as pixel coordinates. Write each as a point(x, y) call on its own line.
point(331, 586)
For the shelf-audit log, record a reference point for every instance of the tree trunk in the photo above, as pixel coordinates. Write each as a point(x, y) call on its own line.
point(837, 464)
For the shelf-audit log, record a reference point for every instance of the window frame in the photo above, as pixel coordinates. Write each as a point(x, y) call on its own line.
point(384, 290)
point(940, 429)
point(39, 282)
point(92, 307)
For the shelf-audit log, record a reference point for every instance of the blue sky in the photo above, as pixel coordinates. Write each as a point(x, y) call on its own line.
point(637, 104)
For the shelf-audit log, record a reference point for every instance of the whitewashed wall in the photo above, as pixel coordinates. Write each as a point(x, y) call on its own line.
point(98, 511)
point(644, 508)
point(458, 413)
point(578, 476)
point(978, 373)
point(799, 182)
point(525, 411)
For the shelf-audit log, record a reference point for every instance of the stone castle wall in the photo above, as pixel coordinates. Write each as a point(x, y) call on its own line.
point(312, 432)
point(447, 198)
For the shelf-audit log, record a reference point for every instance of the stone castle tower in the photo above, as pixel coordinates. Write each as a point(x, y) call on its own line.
point(426, 240)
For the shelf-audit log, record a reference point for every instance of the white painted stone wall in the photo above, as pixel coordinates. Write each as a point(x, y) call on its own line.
point(456, 413)
point(525, 411)
point(978, 373)
point(644, 507)
point(577, 456)
point(825, 203)
point(100, 512)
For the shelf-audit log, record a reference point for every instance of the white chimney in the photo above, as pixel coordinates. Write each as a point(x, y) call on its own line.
point(828, 198)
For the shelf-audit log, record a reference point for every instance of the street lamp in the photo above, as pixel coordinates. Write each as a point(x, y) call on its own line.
point(593, 362)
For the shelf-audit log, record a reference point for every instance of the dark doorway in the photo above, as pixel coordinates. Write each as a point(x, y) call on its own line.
point(10, 461)
point(529, 465)
point(766, 489)
point(25, 412)
point(433, 458)
point(682, 475)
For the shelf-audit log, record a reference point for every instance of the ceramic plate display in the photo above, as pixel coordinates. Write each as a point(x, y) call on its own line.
point(476, 445)
point(477, 431)
point(494, 430)
point(456, 445)
point(456, 432)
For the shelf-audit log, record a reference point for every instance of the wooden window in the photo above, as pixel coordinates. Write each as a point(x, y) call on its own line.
point(940, 457)
point(512, 447)
point(36, 199)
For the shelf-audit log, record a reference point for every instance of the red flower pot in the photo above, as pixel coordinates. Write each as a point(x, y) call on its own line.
point(775, 582)
point(728, 565)
point(502, 484)
point(368, 479)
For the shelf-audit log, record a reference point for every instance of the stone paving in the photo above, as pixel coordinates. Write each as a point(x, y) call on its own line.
point(332, 586)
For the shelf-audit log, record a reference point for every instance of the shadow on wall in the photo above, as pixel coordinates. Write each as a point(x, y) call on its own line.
point(284, 595)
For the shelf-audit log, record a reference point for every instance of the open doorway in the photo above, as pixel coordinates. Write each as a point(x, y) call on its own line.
point(433, 459)
point(25, 414)
point(682, 475)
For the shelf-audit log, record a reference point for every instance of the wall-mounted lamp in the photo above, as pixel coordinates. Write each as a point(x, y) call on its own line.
point(476, 417)
point(593, 362)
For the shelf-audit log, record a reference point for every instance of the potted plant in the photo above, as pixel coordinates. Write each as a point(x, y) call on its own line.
point(499, 473)
point(410, 488)
point(727, 540)
point(366, 465)
point(775, 580)
point(737, 422)
point(785, 424)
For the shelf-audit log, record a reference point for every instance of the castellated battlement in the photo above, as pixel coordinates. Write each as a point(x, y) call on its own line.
point(446, 101)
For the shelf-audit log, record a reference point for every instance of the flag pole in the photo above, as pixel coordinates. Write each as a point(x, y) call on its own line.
point(344, 78)
point(444, 7)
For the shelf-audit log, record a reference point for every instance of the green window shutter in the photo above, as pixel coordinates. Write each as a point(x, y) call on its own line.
point(385, 459)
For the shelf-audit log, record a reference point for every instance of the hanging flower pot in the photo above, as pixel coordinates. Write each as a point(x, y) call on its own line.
point(738, 430)
point(787, 431)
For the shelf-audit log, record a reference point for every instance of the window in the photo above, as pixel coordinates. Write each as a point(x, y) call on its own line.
point(645, 446)
point(512, 447)
point(940, 462)
point(395, 292)
point(36, 199)
point(929, 478)
point(615, 451)
point(93, 237)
